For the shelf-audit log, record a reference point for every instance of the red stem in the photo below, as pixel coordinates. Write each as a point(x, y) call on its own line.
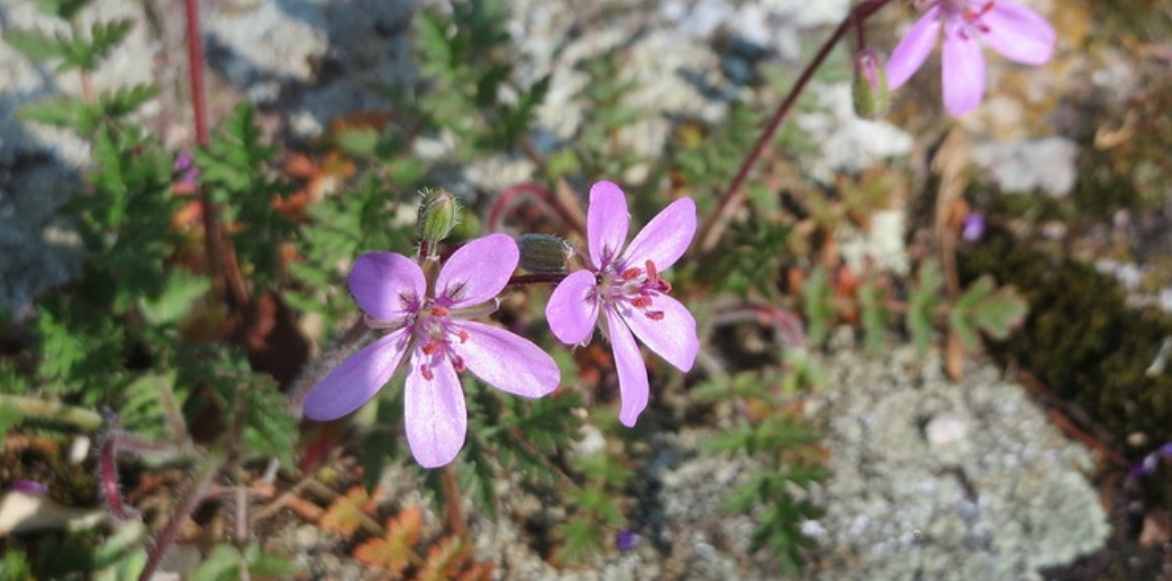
point(221, 257)
point(508, 197)
point(717, 221)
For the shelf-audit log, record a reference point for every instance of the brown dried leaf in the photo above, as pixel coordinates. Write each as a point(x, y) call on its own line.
point(444, 560)
point(393, 552)
point(345, 515)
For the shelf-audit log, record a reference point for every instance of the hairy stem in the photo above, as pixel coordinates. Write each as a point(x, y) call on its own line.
point(716, 222)
point(453, 501)
point(32, 407)
point(204, 475)
point(221, 256)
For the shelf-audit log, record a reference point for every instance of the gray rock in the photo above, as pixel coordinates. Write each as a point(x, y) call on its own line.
point(935, 480)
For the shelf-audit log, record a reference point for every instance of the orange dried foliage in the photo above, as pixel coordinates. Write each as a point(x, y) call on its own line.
point(345, 514)
point(393, 552)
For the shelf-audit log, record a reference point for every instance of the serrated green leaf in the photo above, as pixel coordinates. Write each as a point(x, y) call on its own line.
point(67, 112)
point(36, 45)
point(270, 430)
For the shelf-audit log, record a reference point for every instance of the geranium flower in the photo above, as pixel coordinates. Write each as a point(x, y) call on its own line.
point(626, 288)
point(1018, 33)
point(436, 330)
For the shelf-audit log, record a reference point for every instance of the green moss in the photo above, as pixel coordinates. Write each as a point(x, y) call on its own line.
point(1081, 338)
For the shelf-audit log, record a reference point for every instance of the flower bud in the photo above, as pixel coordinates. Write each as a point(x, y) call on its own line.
point(542, 253)
point(439, 212)
point(870, 92)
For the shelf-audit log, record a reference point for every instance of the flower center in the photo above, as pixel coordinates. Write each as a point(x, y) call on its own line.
point(966, 16)
point(622, 287)
point(433, 332)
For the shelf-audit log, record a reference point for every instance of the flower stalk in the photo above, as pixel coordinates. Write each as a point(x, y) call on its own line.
point(713, 227)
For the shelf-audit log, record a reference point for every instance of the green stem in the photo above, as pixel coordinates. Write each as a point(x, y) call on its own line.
point(31, 407)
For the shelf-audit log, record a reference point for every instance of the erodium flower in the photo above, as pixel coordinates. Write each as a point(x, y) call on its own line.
point(625, 287)
point(1018, 33)
point(436, 333)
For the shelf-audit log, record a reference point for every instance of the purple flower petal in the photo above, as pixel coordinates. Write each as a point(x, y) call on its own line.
point(1018, 33)
point(478, 270)
point(964, 73)
point(29, 487)
point(357, 379)
point(571, 311)
point(506, 361)
point(913, 50)
point(386, 285)
point(673, 337)
point(606, 222)
point(434, 414)
point(665, 238)
point(633, 387)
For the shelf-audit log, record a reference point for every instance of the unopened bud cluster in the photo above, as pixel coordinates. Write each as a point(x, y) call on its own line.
point(542, 253)
point(439, 213)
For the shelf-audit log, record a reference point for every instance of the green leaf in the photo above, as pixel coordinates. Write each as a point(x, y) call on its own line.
point(816, 306)
point(223, 564)
point(126, 100)
point(922, 303)
point(63, 9)
point(36, 45)
point(143, 408)
point(104, 38)
point(67, 112)
point(262, 563)
point(580, 539)
point(874, 318)
point(270, 430)
point(14, 566)
point(1000, 312)
point(358, 141)
point(180, 293)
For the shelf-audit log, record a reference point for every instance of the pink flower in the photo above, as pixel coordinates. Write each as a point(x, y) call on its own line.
point(625, 286)
point(1009, 28)
point(436, 331)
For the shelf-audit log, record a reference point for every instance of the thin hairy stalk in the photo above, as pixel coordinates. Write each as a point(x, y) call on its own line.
point(204, 476)
point(732, 199)
point(453, 501)
point(221, 256)
point(31, 407)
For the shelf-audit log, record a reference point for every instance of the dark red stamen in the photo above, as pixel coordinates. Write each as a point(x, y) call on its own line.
point(652, 273)
point(641, 302)
point(426, 372)
point(458, 363)
point(440, 311)
point(654, 315)
point(630, 273)
point(431, 347)
point(463, 335)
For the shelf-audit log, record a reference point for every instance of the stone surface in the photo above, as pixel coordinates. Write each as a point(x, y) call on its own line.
point(936, 480)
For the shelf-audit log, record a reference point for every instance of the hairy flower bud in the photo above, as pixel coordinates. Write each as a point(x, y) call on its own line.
point(870, 91)
point(542, 253)
point(439, 212)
